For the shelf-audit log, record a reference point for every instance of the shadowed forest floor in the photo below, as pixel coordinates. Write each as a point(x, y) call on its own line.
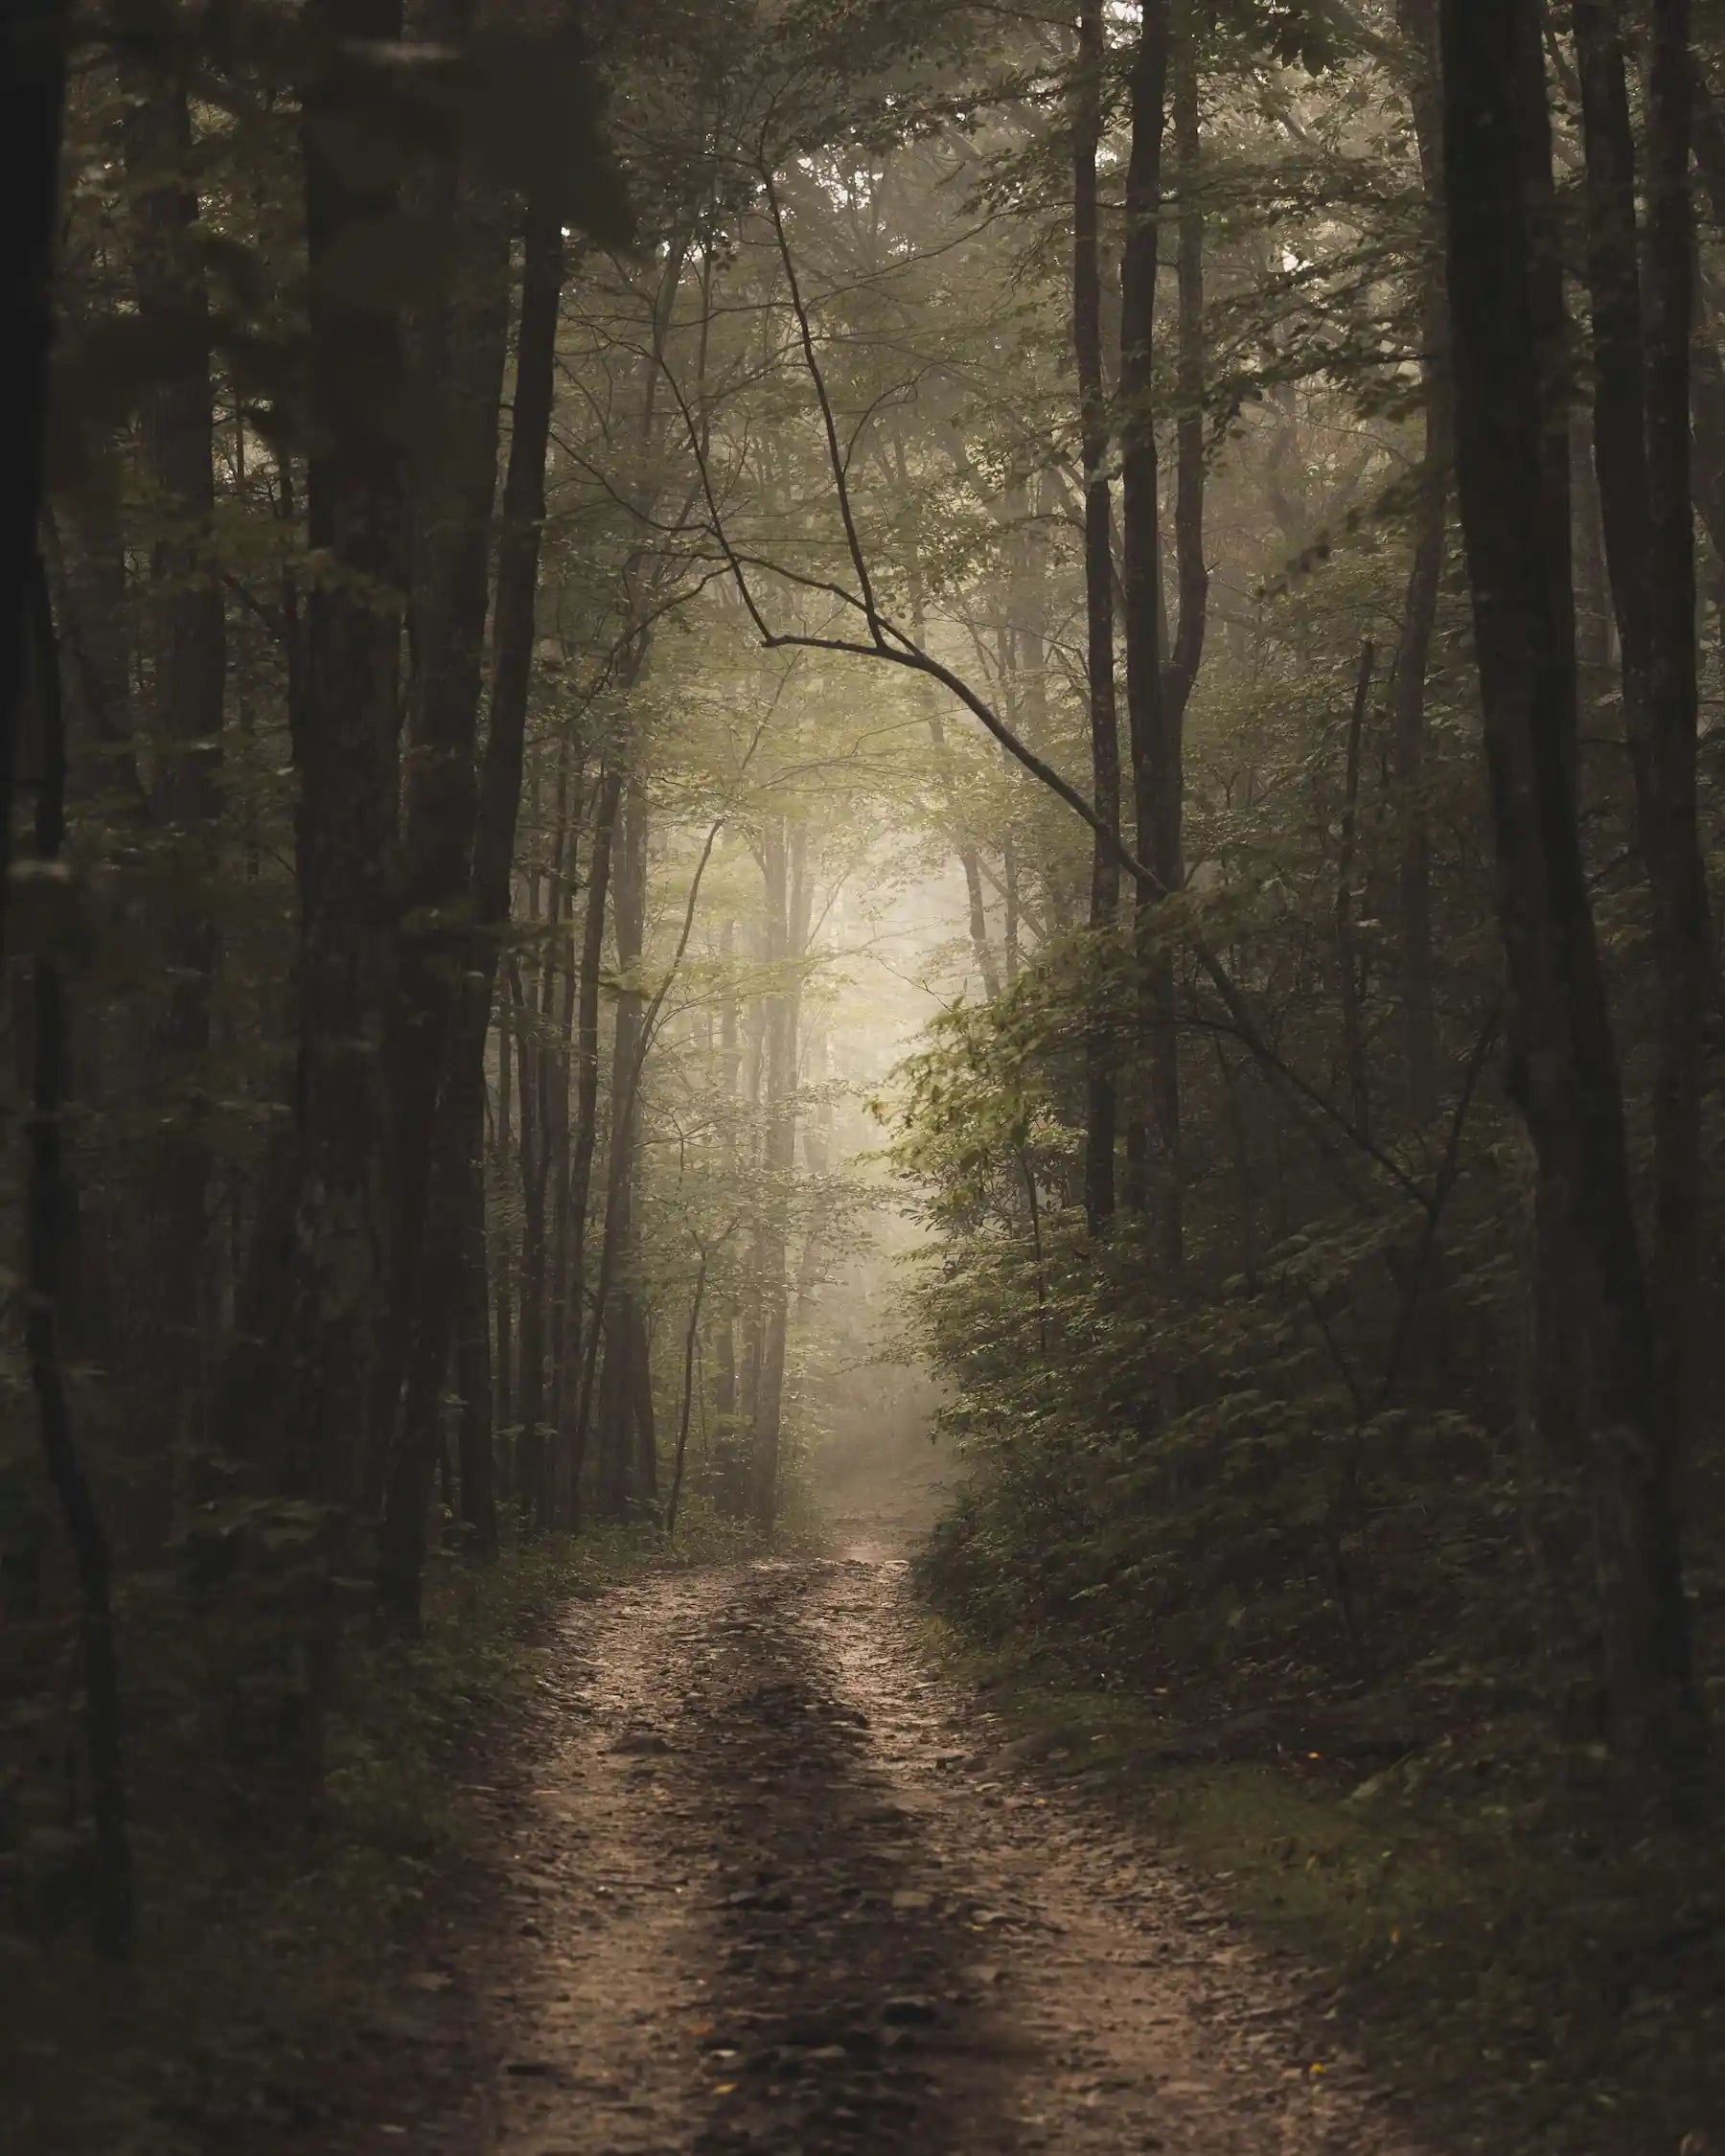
point(762, 1878)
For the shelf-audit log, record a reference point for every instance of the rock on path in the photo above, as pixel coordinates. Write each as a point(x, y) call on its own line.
point(768, 1884)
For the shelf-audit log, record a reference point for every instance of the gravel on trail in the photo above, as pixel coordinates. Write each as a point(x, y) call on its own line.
point(765, 1879)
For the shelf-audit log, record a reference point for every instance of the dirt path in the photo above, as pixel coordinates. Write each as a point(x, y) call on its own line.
point(771, 1885)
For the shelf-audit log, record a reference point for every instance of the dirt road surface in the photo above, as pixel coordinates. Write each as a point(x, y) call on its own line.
point(765, 1880)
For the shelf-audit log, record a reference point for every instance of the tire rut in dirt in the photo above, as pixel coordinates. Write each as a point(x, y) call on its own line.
point(841, 2019)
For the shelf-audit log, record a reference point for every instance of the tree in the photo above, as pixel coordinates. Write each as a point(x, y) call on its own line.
point(1512, 478)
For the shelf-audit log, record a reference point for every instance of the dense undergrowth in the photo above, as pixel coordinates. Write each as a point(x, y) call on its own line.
point(1289, 1559)
point(256, 1946)
point(1514, 1976)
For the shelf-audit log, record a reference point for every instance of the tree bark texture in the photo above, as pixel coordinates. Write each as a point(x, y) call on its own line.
point(346, 746)
point(501, 764)
point(1102, 1106)
point(1418, 20)
point(1512, 476)
point(176, 425)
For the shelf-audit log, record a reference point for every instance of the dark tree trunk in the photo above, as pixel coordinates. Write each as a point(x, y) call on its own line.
point(530, 1300)
point(503, 1269)
point(585, 1138)
point(645, 1474)
point(728, 1494)
point(1153, 726)
point(1347, 960)
point(691, 1335)
point(346, 746)
point(88, 557)
point(1671, 842)
point(560, 993)
point(787, 894)
point(176, 435)
point(477, 1448)
point(1512, 474)
point(1642, 450)
point(1425, 582)
point(458, 353)
point(33, 89)
point(403, 1545)
point(617, 1483)
point(1101, 1108)
point(48, 1210)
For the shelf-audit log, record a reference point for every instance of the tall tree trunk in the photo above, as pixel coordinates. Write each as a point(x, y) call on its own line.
point(787, 893)
point(530, 1301)
point(176, 433)
point(477, 1448)
point(1101, 1111)
point(1513, 472)
point(586, 1138)
point(563, 978)
point(1642, 449)
point(33, 92)
point(1419, 19)
point(47, 1279)
point(503, 1267)
point(1347, 960)
point(728, 1494)
point(1682, 916)
point(346, 743)
point(458, 353)
point(616, 1309)
point(1153, 720)
point(644, 1476)
point(403, 1542)
point(691, 1333)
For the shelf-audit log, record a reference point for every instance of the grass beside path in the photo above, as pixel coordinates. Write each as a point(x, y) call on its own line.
point(254, 1957)
point(1526, 1987)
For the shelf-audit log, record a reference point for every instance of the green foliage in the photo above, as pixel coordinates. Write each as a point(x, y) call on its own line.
point(257, 1942)
point(1514, 1976)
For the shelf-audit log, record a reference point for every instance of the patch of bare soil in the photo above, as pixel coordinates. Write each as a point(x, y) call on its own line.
point(766, 1881)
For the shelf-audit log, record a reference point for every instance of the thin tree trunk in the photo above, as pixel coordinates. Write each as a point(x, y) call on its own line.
point(565, 1256)
point(33, 91)
point(1152, 727)
point(1101, 1111)
point(531, 1293)
point(48, 1208)
point(787, 892)
point(504, 1269)
point(645, 1477)
point(617, 1315)
point(476, 1447)
point(728, 1494)
point(587, 1131)
point(1347, 960)
point(1425, 582)
point(686, 1403)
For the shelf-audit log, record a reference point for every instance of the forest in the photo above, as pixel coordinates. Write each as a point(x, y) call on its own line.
point(866, 1057)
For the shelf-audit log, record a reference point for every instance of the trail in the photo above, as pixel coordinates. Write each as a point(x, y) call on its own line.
point(766, 1882)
